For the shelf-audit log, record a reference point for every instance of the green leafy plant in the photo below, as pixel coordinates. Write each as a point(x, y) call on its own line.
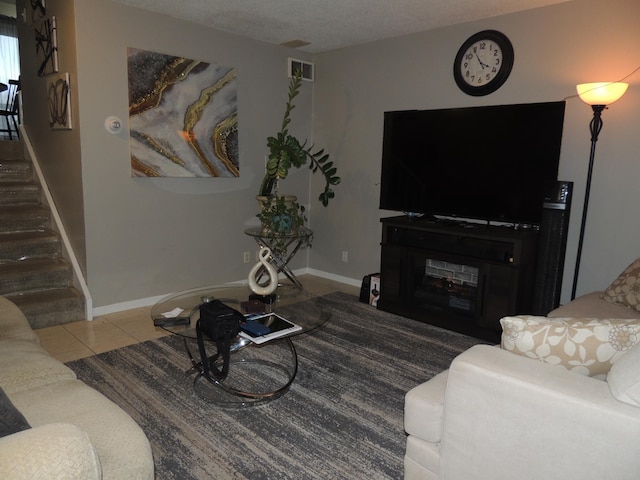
point(286, 151)
point(281, 216)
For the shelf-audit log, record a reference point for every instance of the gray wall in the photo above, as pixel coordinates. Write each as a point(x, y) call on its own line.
point(153, 236)
point(140, 238)
point(147, 237)
point(556, 48)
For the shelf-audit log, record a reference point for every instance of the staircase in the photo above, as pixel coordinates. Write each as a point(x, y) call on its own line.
point(33, 272)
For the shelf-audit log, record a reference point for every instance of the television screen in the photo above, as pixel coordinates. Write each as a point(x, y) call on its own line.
point(492, 163)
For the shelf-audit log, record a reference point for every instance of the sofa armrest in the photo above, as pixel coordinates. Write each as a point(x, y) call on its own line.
point(52, 451)
point(525, 419)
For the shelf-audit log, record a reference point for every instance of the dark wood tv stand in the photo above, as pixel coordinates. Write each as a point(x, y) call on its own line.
point(456, 275)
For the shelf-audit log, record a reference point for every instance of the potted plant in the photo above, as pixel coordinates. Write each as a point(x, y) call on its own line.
point(280, 218)
point(286, 151)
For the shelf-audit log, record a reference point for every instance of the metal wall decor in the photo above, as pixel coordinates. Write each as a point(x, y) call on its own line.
point(59, 102)
point(182, 117)
point(37, 10)
point(46, 46)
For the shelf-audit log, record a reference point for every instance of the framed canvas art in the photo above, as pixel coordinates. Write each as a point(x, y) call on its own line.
point(182, 117)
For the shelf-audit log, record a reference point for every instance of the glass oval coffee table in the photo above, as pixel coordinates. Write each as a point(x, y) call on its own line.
point(257, 373)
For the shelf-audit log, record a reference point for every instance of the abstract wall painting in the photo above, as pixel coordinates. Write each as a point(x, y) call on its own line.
point(183, 117)
point(59, 102)
point(47, 46)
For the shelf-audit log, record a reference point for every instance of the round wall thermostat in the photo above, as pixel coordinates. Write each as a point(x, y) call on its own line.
point(113, 124)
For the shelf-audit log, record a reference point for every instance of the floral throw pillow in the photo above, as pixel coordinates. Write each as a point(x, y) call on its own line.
point(587, 346)
point(625, 290)
point(624, 378)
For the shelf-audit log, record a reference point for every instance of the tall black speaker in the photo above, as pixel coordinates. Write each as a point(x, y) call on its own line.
point(554, 229)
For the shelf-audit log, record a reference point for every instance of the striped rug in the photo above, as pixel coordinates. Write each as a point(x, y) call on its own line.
point(341, 419)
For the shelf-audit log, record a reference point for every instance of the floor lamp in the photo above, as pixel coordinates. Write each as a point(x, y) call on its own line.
point(598, 95)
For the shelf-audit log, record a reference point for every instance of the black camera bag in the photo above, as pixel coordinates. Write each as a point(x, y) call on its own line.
point(221, 324)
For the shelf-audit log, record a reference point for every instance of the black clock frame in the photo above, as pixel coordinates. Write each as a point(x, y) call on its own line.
point(507, 63)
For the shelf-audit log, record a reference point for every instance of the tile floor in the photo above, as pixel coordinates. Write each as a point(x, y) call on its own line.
point(107, 332)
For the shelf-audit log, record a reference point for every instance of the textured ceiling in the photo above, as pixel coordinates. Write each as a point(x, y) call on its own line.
point(330, 24)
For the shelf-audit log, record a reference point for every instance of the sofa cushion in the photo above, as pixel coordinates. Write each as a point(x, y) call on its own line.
point(593, 306)
point(423, 406)
point(587, 346)
point(11, 420)
point(625, 290)
point(421, 459)
point(624, 377)
point(13, 323)
point(24, 364)
point(52, 451)
point(120, 443)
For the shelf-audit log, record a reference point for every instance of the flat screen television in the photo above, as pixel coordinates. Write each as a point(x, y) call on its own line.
point(491, 163)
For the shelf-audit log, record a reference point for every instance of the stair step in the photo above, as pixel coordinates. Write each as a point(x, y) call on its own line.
point(48, 308)
point(19, 193)
point(15, 171)
point(16, 218)
point(11, 150)
point(34, 274)
point(22, 245)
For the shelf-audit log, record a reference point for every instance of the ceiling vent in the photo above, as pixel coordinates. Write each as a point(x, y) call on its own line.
point(305, 67)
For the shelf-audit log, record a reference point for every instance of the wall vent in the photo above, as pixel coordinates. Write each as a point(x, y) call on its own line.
point(305, 67)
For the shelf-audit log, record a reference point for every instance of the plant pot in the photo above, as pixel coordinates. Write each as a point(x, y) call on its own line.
point(279, 223)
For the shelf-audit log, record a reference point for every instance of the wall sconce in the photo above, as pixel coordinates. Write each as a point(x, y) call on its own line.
point(598, 95)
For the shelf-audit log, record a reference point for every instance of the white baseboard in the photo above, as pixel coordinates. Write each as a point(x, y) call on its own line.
point(336, 278)
point(147, 302)
point(130, 305)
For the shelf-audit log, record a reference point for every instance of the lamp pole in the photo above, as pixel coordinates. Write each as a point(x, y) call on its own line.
point(594, 127)
point(598, 95)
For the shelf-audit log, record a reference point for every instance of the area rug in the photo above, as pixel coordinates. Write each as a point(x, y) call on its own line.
point(341, 419)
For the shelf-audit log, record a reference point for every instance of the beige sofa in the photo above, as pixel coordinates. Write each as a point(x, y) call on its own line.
point(76, 432)
point(499, 415)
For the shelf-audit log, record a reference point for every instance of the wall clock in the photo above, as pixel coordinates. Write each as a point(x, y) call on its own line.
point(483, 63)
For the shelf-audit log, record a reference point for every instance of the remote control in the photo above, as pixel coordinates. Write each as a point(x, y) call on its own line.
point(171, 322)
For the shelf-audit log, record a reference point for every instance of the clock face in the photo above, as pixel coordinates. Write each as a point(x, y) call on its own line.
point(483, 63)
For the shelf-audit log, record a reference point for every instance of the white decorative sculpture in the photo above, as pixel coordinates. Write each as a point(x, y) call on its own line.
point(255, 274)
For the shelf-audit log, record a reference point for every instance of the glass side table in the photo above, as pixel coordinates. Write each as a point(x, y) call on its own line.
point(283, 247)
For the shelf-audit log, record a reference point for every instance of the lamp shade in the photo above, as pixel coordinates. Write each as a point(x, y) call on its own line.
point(601, 93)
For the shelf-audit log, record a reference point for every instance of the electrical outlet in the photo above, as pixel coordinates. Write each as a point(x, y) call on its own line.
point(345, 256)
point(246, 257)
